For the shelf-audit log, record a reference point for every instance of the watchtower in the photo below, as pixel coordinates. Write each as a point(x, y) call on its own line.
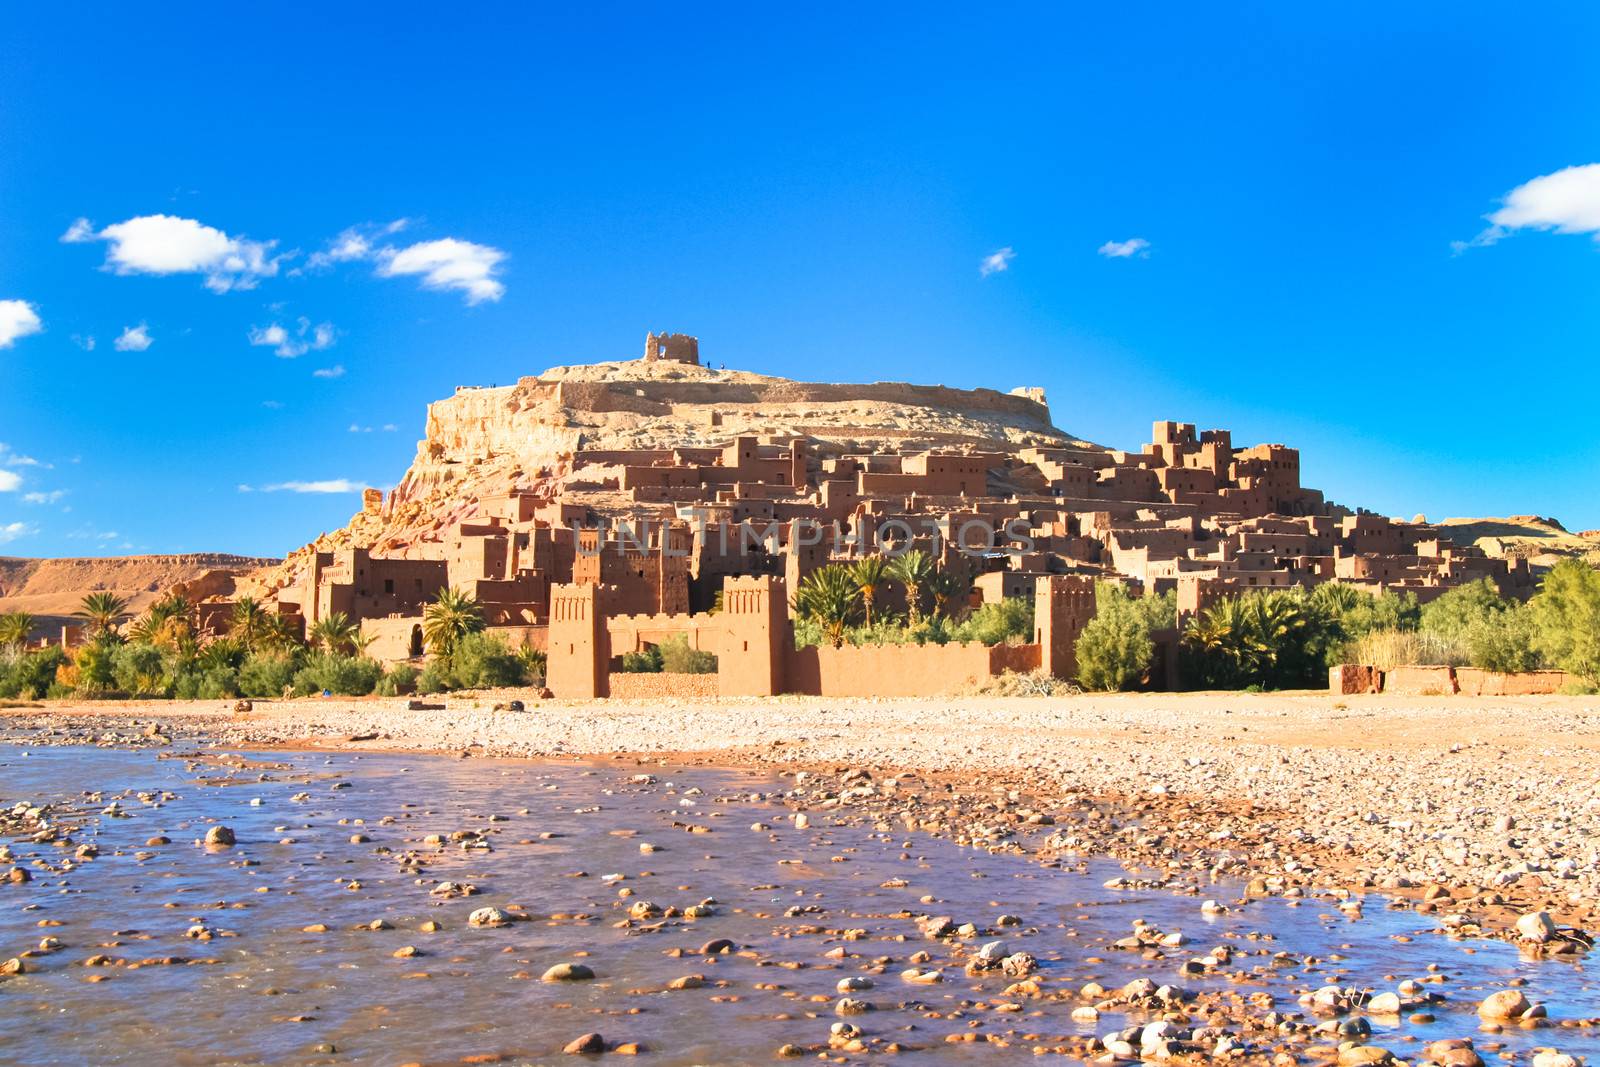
point(1063, 604)
point(677, 347)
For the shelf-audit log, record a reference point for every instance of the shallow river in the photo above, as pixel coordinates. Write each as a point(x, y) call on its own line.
point(559, 835)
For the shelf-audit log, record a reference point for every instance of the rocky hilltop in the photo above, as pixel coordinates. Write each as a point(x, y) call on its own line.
point(484, 443)
point(52, 588)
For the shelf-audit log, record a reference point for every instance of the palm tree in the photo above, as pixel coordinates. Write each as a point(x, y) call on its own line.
point(949, 584)
point(15, 627)
point(452, 616)
point(869, 573)
point(249, 623)
point(829, 596)
point(913, 570)
point(221, 652)
point(338, 634)
point(165, 623)
point(102, 611)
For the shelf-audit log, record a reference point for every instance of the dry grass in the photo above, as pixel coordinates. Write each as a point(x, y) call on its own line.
point(1385, 649)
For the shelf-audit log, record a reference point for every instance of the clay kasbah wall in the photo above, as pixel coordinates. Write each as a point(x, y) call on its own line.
point(887, 670)
point(1350, 678)
point(662, 686)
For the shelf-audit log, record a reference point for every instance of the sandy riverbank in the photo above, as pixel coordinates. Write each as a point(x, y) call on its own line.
point(1494, 797)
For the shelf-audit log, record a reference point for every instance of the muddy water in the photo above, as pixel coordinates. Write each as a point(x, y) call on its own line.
point(133, 984)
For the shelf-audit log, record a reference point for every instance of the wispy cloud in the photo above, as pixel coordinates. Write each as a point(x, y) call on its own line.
point(305, 338)
point(354, 243)
point(51, 497)
point(17, 319)
point(167, 244)
point(997, 261)
point(84, 341)
point(1132, 247)
point(1567, 201)
point(330, 485)
point(11, 458)
point(16, 530)
point(335, 371)
point(134, 339)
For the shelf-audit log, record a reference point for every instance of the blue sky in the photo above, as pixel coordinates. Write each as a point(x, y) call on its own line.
point(1301, 194)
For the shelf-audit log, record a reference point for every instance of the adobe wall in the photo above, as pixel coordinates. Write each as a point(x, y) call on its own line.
point(888, 670)
point(1351, 678)
point(393, 639)
point(1473, 681)
point(663, 686)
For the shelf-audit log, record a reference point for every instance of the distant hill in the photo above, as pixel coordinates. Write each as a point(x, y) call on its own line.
point(52, 588)
point(1542, 541)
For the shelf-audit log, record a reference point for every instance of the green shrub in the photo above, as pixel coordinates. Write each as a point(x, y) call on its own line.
point(96, 669)
point(267, 674)
point(1459, 609)
point(333, 673)
point(678, 658)
point(1114, 651)
point(483, 661)
point(201, 683)
point(435, 677)
point(28, 675)
point(400, 680)
point(139, 670)
point(1008, 621)
point(646, 662)
point(1566, 619)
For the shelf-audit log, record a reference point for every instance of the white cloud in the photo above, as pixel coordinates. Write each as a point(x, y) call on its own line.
point(17, 319)
point(15, 530)
point(354, 243)
point(997, 261)
point(84, 341)
point(448, 264)
point(389, 427)
point(10, 481)
point(1133, 246)
point(331, 485)
point(167, 244)
point(304, 339)
point(134, 339)
point(44, 498)
point(79, 232)
point(335, 371)
point(1567, 201)
point(17, 459)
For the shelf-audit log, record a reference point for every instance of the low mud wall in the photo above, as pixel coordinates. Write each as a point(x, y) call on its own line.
point(1351, 678)
point(662, 686)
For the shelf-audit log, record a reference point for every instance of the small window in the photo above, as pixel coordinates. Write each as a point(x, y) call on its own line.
point(388, 585)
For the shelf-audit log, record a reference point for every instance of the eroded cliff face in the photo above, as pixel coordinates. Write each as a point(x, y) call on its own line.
point(53, 588)
point(483, 444)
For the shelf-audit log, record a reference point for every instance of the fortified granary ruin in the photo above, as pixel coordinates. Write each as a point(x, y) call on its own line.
point(599, 509)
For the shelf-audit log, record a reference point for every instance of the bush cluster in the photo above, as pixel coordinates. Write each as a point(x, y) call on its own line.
point(672, 656)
